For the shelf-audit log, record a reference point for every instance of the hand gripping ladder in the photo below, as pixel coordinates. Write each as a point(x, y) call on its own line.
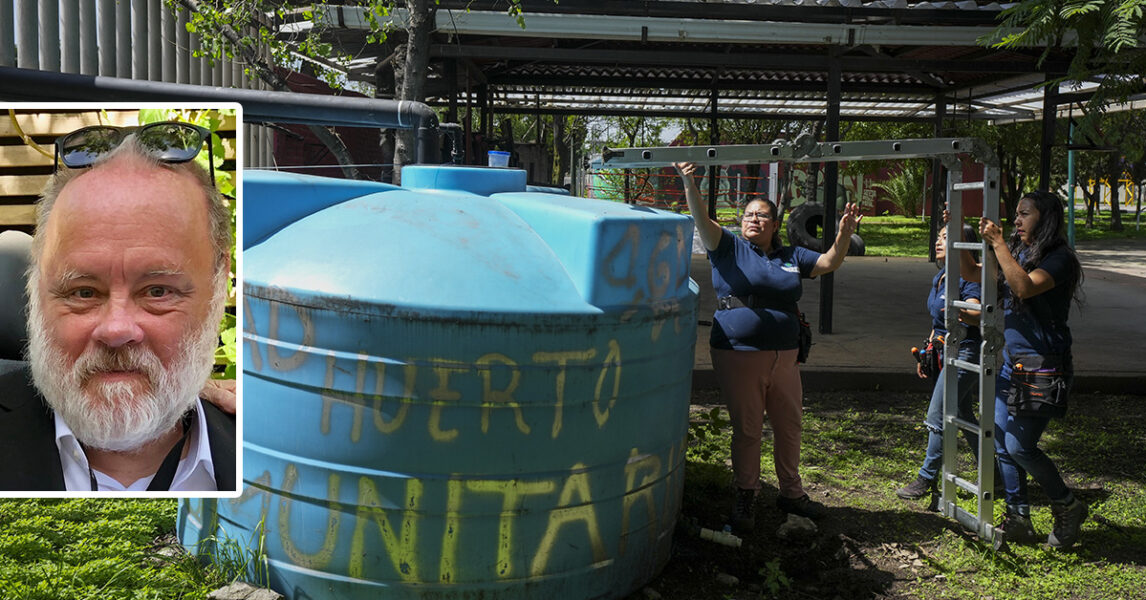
point(804, 149)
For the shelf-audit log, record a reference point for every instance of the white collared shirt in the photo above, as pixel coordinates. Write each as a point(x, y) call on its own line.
point(196, 471)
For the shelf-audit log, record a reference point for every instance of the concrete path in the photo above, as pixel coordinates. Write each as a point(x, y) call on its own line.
point(880, 313)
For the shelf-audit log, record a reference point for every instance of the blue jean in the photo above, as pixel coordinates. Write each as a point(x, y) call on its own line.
point(967, 383)
point(1016, 444)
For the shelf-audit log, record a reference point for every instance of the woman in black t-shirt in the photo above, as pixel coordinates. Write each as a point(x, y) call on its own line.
point(1040, 275)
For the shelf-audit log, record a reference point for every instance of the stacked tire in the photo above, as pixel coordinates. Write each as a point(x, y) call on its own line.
point(806, 227)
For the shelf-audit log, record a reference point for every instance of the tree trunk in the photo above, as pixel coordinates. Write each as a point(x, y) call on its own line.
point(1090, 195)
point(1116, 207)
point(410, 69)
point(1113, 174)
point(1013, 186)
point(812, 182)
point(1011, 181)
point(785, 181)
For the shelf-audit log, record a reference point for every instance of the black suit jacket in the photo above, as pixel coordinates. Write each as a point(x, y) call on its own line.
point(29, 459)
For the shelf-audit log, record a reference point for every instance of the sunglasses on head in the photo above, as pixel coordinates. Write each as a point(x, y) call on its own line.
point(168, 141)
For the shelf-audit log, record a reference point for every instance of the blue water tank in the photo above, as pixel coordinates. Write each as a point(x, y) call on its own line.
point(458, 388)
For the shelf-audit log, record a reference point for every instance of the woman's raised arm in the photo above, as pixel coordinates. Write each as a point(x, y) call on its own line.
point(708, 229)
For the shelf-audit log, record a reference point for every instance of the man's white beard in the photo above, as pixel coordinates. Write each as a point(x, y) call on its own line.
point(117, 416)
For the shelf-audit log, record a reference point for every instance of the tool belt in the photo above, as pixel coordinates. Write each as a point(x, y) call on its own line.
point(804, 337)
point(1040, 385)
point(730, 302)
point(930, 357)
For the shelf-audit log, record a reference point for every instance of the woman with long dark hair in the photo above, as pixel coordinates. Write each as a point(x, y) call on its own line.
point(1040, 276)
point(969, 291)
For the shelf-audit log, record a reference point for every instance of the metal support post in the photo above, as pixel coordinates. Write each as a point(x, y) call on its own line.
point(831, 178)
point(714, 140)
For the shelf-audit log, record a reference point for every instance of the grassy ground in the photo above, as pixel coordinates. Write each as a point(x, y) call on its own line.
point(858, 449)
point(903, 236)
point(59, 549)
point(894, 236)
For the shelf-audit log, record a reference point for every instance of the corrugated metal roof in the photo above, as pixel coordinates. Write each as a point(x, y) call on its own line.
point(770, 65)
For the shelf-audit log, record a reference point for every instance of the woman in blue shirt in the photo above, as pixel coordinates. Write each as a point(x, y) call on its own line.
point(754, 340)
point(1041, 274)
point(969, 291)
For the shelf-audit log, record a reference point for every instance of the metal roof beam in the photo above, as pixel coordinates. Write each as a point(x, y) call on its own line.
point(636, 91)
point(657, 29)
point(732, 103)
point(561, 83)
point(697, 114)
point(754, 60)
point(739, 11)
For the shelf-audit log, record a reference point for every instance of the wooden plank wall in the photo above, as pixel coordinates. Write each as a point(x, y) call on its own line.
point(27, 162)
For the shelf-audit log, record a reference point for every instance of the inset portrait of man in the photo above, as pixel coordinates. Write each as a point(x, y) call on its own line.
point(126, 286)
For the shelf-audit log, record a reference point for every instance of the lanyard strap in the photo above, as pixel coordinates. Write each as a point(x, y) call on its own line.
point(166, 473)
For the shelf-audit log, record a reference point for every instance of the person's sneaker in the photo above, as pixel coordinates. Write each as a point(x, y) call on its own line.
point(916, 489)
point(1018, 528)
point(1068, 519)
point(803, 506)
point(743, 513)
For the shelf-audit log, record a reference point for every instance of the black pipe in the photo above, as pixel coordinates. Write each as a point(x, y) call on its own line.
point(453, 132)
point(258, 106)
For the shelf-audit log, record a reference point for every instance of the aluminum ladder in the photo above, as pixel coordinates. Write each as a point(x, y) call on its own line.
point(804, 149)
point(990, 324)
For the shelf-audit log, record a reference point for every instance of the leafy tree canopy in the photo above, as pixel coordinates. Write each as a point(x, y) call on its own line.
point(1108, 37)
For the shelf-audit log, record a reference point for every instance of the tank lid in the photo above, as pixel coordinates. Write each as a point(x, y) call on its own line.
point(482, 181)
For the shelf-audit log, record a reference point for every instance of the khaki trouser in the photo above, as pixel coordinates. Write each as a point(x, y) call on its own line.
point(755, 383)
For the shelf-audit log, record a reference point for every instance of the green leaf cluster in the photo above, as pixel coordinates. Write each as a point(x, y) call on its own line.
point(78, 549)
point(707, 436)
point(905, 187)
point(1105, 37)
point(254, 32)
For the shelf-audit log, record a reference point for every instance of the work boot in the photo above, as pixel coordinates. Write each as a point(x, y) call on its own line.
point(743, 513)
point(1068, 519)
point(803, 506)
point(1018, 528)
point(916, 489)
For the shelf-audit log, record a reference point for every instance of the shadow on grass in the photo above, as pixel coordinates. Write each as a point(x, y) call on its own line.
point(861, 446)
point(1100, 439)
